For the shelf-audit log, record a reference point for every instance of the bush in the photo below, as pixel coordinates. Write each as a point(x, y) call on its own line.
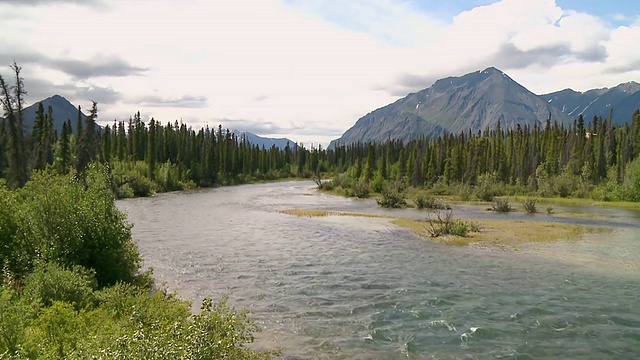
point(50, 282)
point(423, 201)
point(168, 177)
point(361, 189)
point(327, 185)
point(392, 196)
point(438, 224)
point(529, 205)
point(464, 192)
point(9, 248)
point(62, 233)
point(489, 187)
point(142, 186)
point(501, 205)
point(61, 221)
point(13, 319)
point(377, 184)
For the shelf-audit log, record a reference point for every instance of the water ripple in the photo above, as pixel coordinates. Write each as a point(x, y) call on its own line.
point(359, 288)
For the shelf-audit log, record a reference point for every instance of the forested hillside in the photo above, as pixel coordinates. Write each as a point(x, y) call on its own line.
point(594, 160)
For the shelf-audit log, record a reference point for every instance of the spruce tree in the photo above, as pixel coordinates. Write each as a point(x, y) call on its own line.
point(12, 99)
point(151, 151)
point(87, 144)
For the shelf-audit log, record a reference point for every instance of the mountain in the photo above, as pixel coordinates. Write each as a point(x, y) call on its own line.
point(254, 139)
point(62, 110)
point(624, 99)
point(479, 100)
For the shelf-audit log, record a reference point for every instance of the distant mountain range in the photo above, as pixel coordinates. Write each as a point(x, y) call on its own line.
point(479, 100)
point(62, 110)
point(254, 139)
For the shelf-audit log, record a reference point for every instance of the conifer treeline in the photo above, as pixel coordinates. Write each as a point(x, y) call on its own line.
point(551, 159)
point(144, 157)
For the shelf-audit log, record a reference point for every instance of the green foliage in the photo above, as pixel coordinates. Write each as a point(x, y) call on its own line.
point(328, 185)
point(49, 283)
point(13, 318)
point(124, 322)
point(440, 223)
point(423, 201)
point(630, 189)
point(73, 292)
point(529, 205)
point(489, 187)
point(377, 184)
point(360, 189)
point(393, 195)
point(59, 220)
point(501, 205)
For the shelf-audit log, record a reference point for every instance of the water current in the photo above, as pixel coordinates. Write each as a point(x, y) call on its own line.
point(341, 287)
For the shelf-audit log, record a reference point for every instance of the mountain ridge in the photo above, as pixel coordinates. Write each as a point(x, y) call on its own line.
point(62, 110)
point(478, 100)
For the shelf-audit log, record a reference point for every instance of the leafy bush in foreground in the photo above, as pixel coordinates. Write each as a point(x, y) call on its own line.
point(69, 287)
point(58, 220)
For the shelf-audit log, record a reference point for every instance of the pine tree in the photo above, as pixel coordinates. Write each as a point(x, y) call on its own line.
point(151, 152)
point(87, 144)
point(64, 149)
point(12, 99)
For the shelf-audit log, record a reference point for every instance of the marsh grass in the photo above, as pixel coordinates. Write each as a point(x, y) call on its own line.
point(488, 232)
point(508, 232)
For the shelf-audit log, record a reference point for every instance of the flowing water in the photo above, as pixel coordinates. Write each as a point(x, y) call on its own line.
point(361, 288)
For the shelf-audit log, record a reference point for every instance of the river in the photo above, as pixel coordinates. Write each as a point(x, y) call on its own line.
point(361, 288)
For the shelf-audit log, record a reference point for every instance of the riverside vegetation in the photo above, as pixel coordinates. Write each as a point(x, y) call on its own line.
point(71, 286)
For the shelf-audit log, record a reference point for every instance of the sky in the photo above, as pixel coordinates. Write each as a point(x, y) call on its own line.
point(303, 69)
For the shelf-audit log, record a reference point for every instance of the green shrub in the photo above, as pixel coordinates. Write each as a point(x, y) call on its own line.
point(529, 205)
point(474, 226)
point(361, 189)
point(501, 205)
point(392, 196)
point(142, 186)
point(48, 283)
point(423, 201)
point(168, 177)
point(13, 320)
point(8, 229)
point(377, 184)
point(464, 192)
point(459, 228)
point(61, 221)
point(327, 185)
point(440, 223)
point(489, 187)
point(124, 191)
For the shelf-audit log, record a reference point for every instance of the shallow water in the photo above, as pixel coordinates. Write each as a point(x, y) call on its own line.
point(361, 288)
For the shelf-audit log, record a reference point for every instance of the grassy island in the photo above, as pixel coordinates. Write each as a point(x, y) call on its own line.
point(488, 232)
